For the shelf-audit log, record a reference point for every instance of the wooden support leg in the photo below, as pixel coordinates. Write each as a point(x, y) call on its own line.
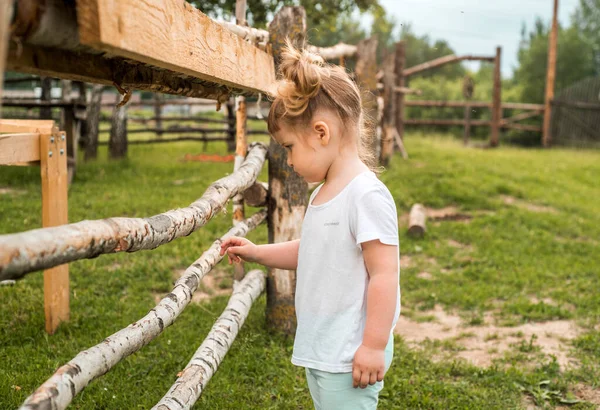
point(53, 162)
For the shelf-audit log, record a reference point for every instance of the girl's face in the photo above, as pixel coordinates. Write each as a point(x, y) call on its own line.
point(310, 152)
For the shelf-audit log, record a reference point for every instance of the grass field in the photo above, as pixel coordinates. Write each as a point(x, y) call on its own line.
point(521, 247)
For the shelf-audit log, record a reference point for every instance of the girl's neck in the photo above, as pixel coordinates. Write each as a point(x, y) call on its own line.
point(344, 168)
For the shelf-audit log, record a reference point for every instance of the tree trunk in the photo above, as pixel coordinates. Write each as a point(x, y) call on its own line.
point(6, 9)
point(288, 193)
point(400, 82)
point(117, 144)
point(60, 389)
point(389, 111)
point(93, 122)
point(231, 125)
point(205, 362)
point(48, 247)
point(366, 75)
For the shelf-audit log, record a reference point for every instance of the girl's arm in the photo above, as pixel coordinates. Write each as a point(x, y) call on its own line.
point(283, 255)
point(382, 264)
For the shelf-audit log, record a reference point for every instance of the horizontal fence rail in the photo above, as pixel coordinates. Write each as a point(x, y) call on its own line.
point(37, 249)
point(58, 391)
point(205, 362)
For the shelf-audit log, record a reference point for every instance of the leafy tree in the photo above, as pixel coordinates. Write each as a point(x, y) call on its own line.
point(419, 49)
point(587, 21)
point(574, 61)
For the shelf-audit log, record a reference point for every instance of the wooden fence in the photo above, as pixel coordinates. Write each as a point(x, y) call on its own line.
point(88, 44)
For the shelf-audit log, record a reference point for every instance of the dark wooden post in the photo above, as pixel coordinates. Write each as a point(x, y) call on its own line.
point(288, 192)
point(400, 82)
point(117, 143)
point(366, 75)
point(46, 85)
point(93, 122)
point(231, 126)
point(389, 111)
point(550, 78)
point(468, 88)
point(158, 102)
point(496, 101)
point(71, 127)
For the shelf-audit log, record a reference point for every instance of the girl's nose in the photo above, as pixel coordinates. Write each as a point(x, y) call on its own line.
point(289, 162)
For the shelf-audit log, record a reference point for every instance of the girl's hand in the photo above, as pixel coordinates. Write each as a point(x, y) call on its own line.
point(239, 249)
point(368, 366)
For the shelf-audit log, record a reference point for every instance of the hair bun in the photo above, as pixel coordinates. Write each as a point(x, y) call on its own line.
point(301, 72)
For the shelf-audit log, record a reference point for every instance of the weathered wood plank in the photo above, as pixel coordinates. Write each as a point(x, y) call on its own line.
point(172, 34)
point(19, 148)
point(26, 126)
point(53, 169)
point(496, 101)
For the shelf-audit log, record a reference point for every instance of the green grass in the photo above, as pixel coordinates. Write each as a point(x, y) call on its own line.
point(510, 255)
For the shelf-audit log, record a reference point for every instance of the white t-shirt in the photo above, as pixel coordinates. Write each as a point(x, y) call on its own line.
point(332, 280)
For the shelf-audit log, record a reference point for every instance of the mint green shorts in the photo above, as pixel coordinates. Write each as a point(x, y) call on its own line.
point(334, 391)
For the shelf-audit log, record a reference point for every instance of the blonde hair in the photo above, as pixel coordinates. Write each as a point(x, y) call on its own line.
point(309, 84)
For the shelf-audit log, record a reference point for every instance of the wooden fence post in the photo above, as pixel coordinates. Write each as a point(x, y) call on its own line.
point(366, 75)
point(400, 82)
point(241, 143)
point(288, 192)
point(53, 164)
point(117, 144)
point(46, 85)
point(389, 108)
point(93, 122)
point(231, 126)
point(496, 101)
point(550, 78)
point(158, 102)
point(6, 8)
point(72, 127)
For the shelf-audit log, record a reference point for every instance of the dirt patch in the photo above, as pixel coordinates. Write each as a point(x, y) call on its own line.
point(480, 345)
point(449, 213)
point(425, 275)
point(510, 200)
point(587, 393)
point(11, 191)
point(217, 282)
point(405, 262)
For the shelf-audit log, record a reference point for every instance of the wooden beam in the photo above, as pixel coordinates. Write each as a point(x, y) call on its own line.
point(174, 35)
point(19, 149)
point(550, 77)
point(445, 122)
point(438, 62)
point(522, 127)
point(521, 116)
point(38, 126)
point(53, 167)
point(496, 101)
point(6, 8)
point(164, 140)
point(577, 104)
point(474, 104)
point(94, 68)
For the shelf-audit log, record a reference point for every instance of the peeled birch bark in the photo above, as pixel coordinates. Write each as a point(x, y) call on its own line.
point(205, 362)
point(335, 52)
point(257, 194)
point(38, 249)
point(60, 389)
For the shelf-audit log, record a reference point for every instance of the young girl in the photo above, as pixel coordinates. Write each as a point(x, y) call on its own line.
point(347, 259)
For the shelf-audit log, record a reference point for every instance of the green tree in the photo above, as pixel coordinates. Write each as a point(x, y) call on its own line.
point(587, 21)
point(575, 61)
point(419, 49)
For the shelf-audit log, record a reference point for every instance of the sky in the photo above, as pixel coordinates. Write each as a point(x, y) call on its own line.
point(478, 26)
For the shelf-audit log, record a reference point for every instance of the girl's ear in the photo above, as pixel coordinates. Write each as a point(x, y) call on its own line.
point(322, 131)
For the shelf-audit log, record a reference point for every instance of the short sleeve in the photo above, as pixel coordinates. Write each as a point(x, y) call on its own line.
point(375, 217)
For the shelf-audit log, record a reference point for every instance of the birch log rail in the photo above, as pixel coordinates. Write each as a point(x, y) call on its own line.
point(60, 389)
point(203, 365)
point(43, 248)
